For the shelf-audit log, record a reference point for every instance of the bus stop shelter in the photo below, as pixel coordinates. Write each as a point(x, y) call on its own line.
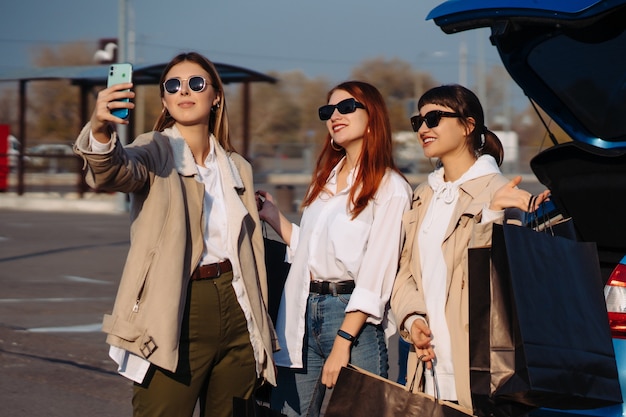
point(88, 77)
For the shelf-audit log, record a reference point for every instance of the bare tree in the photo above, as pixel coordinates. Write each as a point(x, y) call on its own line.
point(54, 105)
point(399, 83)
point(8, 108)
point(281, 113)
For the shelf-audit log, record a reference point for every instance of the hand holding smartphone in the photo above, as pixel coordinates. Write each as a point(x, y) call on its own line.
point(118, 74)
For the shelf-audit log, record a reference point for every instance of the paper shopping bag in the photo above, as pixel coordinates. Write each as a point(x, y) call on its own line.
point(539, 333)
point(359, 393)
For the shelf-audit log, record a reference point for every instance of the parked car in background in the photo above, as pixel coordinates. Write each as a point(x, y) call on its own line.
point(13, 150)
point(569, 59)
point(51, 157)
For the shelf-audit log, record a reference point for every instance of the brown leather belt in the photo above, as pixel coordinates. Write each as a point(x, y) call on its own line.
point(327, 287)
point(211, 271)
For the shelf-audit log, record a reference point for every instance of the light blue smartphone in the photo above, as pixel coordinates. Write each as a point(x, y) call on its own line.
point(118, 74)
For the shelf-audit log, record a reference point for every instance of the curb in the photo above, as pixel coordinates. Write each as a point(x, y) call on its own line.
point(70, 202)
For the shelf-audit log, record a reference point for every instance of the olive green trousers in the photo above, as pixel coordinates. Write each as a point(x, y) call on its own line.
point(216, 360)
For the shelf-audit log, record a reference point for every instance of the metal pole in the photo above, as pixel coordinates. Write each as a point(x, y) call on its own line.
point(481, 75)
point(122, 131)
point(84, 118)
point(246, 119)
point(22, 136)
point(137, 120)
point(121, 31)
point(463, 62)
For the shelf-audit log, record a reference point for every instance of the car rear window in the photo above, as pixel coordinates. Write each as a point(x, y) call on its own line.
point(593, 88)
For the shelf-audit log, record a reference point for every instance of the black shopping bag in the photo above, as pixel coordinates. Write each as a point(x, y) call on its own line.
point(277, 271)
point(539, 333)
point(359, 393)
point(251, 407)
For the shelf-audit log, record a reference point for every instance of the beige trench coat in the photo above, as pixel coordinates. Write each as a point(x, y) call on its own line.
point(464, 231)
point(166, 243)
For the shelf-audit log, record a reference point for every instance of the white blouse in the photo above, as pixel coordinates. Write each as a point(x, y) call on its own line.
point(330, 246)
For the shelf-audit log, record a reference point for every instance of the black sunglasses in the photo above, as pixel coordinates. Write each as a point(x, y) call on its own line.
point(432, 119)
point(195, 83)
point(346, 106)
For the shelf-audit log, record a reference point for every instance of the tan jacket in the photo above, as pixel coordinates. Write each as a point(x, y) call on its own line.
point(463, 232)
point(166, 243)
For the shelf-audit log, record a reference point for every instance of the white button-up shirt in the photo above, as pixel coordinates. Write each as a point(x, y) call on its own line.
point(215, 230)
point(331, 246)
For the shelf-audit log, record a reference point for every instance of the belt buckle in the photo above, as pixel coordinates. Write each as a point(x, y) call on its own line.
point(219, 270)
point(333, 288)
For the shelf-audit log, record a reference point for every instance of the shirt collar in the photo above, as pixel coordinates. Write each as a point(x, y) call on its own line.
point(186, 164)
point(210, 158)
point(332, 178)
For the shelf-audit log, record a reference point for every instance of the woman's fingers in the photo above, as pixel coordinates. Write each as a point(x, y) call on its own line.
point(108, 100)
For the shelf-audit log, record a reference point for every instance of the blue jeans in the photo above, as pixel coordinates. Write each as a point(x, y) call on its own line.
point(300, 391)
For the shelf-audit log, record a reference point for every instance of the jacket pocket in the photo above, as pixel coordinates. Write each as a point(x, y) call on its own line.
point(144, 283)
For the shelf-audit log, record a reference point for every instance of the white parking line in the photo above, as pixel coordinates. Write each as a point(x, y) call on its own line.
point(81, 328)
point(74, 278)
point(52, 300)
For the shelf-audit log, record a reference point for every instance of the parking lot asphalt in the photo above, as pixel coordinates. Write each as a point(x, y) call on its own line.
point(58, 276)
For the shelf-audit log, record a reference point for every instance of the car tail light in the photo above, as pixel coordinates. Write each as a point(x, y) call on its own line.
point(615, 296)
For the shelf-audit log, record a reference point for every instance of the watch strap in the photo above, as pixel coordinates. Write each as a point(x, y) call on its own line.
point(346, 335)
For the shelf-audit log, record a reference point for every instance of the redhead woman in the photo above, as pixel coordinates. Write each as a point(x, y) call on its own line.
point(344, 254)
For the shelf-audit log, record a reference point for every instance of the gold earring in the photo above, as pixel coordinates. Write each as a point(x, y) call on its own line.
point(334, 146)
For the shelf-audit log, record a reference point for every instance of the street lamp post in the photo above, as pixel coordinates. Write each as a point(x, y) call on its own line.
point(122, 130)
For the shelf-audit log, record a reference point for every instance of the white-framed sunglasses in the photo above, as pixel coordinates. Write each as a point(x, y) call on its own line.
point(196, 84)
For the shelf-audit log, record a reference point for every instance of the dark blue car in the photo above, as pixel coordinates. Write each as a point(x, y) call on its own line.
point(569, 58)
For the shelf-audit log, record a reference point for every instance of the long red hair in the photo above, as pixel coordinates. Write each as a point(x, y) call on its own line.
point(376, 155)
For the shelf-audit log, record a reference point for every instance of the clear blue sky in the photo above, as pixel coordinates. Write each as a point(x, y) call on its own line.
point(322, 38)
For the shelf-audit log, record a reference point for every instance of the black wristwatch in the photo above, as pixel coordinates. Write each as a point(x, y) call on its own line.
point(346, 335)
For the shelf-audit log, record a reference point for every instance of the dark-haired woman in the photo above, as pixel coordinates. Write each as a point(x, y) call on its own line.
point(452, 211)
point(189, 322)
point(344, 254)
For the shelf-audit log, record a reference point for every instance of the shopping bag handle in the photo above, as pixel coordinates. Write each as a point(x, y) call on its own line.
point(434, 374)
point(536, 222)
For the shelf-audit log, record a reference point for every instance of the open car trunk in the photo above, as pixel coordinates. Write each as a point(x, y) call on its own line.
point(589, 185)
point(569, 57)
